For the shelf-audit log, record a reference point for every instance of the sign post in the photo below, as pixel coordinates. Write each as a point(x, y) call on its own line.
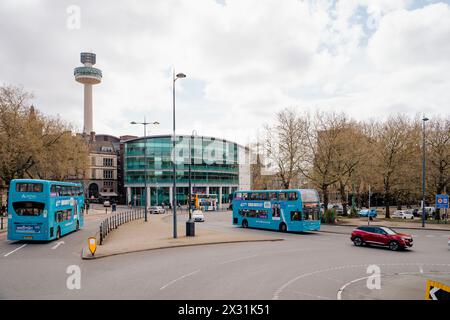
point(442, 203)
point(437, 291)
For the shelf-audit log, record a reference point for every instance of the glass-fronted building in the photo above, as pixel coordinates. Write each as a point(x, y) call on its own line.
point(217, 167)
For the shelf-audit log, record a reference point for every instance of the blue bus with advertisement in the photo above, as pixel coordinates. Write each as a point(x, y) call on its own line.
point(44, 210)
point(295, 210)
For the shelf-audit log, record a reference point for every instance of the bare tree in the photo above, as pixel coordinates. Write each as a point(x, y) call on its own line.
point(284, 146)
point(33, 145)
point(395, 143)
point(324, 152)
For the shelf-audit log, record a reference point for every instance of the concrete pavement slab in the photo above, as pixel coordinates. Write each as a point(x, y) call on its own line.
point(157, 234)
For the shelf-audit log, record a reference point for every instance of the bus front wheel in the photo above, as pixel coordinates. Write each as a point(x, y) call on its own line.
point(78, 225)
point(244, 224)
point(58, 233)
point(283, 227)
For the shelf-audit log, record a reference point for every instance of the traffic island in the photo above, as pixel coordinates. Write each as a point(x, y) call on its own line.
point(137, 236)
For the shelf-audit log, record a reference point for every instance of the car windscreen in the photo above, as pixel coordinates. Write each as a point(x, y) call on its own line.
point(28, 208)
point(388, 231)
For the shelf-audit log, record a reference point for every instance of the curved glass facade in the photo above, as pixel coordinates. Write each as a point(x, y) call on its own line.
point(214, 165)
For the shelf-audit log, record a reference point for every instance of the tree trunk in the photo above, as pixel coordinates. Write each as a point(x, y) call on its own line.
point(386, 203)
point(325, 197)
point(343, 198)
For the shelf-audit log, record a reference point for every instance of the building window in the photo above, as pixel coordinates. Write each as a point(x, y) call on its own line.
point(107, 174)
point(93, 174)
point(108, 184)
point(107, 162)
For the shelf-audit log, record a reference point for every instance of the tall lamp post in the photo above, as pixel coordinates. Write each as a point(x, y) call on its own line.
point(174, 191)
point(190, 225)
point(425, 119)
point(145, 123)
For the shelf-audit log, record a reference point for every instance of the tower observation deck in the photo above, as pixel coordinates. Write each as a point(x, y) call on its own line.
point(88, 76)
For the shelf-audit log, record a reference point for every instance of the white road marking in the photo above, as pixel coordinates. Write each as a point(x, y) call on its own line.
point(421, 269)
point(278, 292)
point(58, 244)
point(339, 294)
point(15, 250)
point(430, 235)
point(239, 259)
point(177, 279)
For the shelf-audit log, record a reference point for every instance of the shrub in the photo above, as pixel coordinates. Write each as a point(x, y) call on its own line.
point(329, 216)
point(353, 212)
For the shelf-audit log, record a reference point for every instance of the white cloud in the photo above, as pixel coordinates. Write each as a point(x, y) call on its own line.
point(245, 59)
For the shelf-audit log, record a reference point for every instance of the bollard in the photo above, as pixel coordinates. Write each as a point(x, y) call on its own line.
point(101, 234)
point(1, 223)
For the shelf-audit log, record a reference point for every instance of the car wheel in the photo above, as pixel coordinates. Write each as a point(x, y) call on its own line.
point(358, 241)
point(244, 224)
point(283, 227)
point(393, 245)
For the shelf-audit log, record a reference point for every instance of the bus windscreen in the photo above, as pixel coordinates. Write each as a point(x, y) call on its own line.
point(309, 196)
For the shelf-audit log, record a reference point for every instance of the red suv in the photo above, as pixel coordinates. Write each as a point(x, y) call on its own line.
point(381, 236)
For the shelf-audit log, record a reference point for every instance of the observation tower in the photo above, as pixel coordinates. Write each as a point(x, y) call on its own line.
point(88, 76)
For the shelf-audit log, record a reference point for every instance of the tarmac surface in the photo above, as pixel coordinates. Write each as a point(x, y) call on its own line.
point(316, 265)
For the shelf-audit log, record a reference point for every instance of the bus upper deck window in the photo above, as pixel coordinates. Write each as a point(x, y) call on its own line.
point(293, 196)
point(29, 187)
point(273, 196)
point(282, 196)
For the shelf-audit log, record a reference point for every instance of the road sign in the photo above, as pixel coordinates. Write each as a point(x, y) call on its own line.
point(442, 201)
point(437, 291)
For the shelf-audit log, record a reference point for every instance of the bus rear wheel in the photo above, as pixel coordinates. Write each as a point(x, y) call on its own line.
point(244, 224)
point(283, 227)
point(78, 225)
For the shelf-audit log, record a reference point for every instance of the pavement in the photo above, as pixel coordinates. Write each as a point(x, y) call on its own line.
point(157, 233)
point(394, 223)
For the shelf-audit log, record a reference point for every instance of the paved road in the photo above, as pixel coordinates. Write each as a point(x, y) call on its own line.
point(320, 265)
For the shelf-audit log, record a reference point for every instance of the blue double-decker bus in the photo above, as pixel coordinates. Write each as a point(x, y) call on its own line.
point(296, 210)
point(44, 210)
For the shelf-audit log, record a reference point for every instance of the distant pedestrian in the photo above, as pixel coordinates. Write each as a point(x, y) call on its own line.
point(114, 207)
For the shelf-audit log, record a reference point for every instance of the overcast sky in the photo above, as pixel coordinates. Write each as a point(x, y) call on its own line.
point(244, 60)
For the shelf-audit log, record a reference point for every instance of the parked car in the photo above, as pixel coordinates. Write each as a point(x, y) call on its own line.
point(402, 214)
point(382, 236)
point(337, 207)
point(156, 210)
point(107, 203)
point(197, 215)
point(416, 212)
point(368, 213)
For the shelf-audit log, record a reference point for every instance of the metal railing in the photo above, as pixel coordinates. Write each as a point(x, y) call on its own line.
point(116, 220)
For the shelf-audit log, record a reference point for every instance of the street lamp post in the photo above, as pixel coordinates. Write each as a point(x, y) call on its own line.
point(174, 191)
point(425, 119)
point(145, 161)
